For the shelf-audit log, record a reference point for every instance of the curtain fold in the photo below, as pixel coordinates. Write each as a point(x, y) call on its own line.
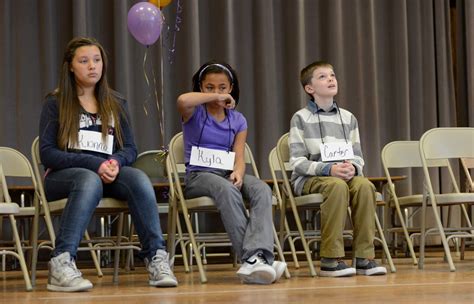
point(393, 60)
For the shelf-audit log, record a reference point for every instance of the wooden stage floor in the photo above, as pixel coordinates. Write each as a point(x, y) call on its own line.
point(434, 284)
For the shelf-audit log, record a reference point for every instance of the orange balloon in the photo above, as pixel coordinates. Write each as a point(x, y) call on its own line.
point(160, 3)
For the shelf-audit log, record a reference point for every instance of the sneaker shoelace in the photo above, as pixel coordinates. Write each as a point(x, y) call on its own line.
point(158, 263)
point(259, 256)
point(70, 270)
point(371, 264)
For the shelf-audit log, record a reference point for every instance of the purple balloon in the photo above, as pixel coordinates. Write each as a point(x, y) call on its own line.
point(144, 22)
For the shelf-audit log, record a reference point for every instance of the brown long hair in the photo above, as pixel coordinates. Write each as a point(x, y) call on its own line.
point(109, 108)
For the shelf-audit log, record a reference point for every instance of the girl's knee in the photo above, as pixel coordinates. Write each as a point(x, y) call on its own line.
point(87, 180)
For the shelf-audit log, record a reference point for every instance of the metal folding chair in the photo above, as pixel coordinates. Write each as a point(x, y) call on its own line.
point(438, 144)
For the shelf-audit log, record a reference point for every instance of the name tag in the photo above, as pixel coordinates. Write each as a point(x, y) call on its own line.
point(92, 141)
point(335, 151)
point(212, 158)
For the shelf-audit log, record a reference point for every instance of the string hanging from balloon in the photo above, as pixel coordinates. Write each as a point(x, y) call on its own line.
point(158, 99)
point(169, 36)
point(144, 23)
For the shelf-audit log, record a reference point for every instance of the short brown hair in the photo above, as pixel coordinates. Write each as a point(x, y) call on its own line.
point(307, 72)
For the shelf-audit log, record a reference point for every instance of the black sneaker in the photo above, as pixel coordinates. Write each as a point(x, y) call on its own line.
point(371, 268)
point(341, 270)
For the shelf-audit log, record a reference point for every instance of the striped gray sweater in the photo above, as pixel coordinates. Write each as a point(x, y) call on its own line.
point(305, 138)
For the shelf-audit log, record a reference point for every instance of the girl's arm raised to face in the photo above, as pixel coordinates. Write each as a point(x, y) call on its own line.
point(188, 101)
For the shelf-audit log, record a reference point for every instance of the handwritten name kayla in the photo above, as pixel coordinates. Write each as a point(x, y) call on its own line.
point(209, 160)
point(212, 158)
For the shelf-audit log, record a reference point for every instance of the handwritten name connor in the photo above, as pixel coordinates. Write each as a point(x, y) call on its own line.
point(93, 145)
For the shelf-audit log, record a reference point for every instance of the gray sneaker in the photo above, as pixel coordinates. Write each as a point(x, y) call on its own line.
point(64, 275)
point(340, 270)
point(369, 268)
point(160, 273)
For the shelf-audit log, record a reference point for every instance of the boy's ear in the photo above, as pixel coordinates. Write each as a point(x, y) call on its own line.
point(309, 89)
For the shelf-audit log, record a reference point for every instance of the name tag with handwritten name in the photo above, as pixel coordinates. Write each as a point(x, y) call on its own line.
point(92, 141)
point(212, 158)
point(335, 151)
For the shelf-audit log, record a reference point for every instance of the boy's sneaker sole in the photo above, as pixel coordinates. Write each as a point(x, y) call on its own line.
point(348, 272)
point(372, 271)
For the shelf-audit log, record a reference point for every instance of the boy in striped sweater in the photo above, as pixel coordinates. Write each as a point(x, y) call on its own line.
point(326, 157)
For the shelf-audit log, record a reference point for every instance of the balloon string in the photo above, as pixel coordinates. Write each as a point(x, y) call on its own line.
point(178, 20)
point(159, 107)
point(146, 80)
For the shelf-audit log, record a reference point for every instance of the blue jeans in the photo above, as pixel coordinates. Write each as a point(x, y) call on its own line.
point(84, 189)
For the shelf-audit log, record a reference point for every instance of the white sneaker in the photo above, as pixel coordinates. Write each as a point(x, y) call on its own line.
point(256, 270)
point(64, 275)
point(279, 268)
point(160, 273)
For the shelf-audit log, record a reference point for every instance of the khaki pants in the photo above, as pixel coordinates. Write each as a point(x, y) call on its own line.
point(359, 194)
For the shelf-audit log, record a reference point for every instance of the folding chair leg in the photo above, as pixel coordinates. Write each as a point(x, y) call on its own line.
point(195, 247)
point(421, 259)
point(384, 244)
point(183, 247)
point(407, 235)
point(117, 251)
point(21, 256)
point(129, 264)
point(93, 255)
point(280, 251)
point(34, 249)
point(171, 231)
point(312, 271)
point(447, 251)
point(291, 241)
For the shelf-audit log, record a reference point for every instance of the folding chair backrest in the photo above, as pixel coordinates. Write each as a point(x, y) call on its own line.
point(401, 154)
point(274, 170)
point(36, 166)
point(15, 164)
point(446, 143)
point(283, 155)
point(406, 154)
point(149, 163)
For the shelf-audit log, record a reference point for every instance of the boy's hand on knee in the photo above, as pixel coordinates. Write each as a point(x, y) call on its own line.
point(344, 171)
